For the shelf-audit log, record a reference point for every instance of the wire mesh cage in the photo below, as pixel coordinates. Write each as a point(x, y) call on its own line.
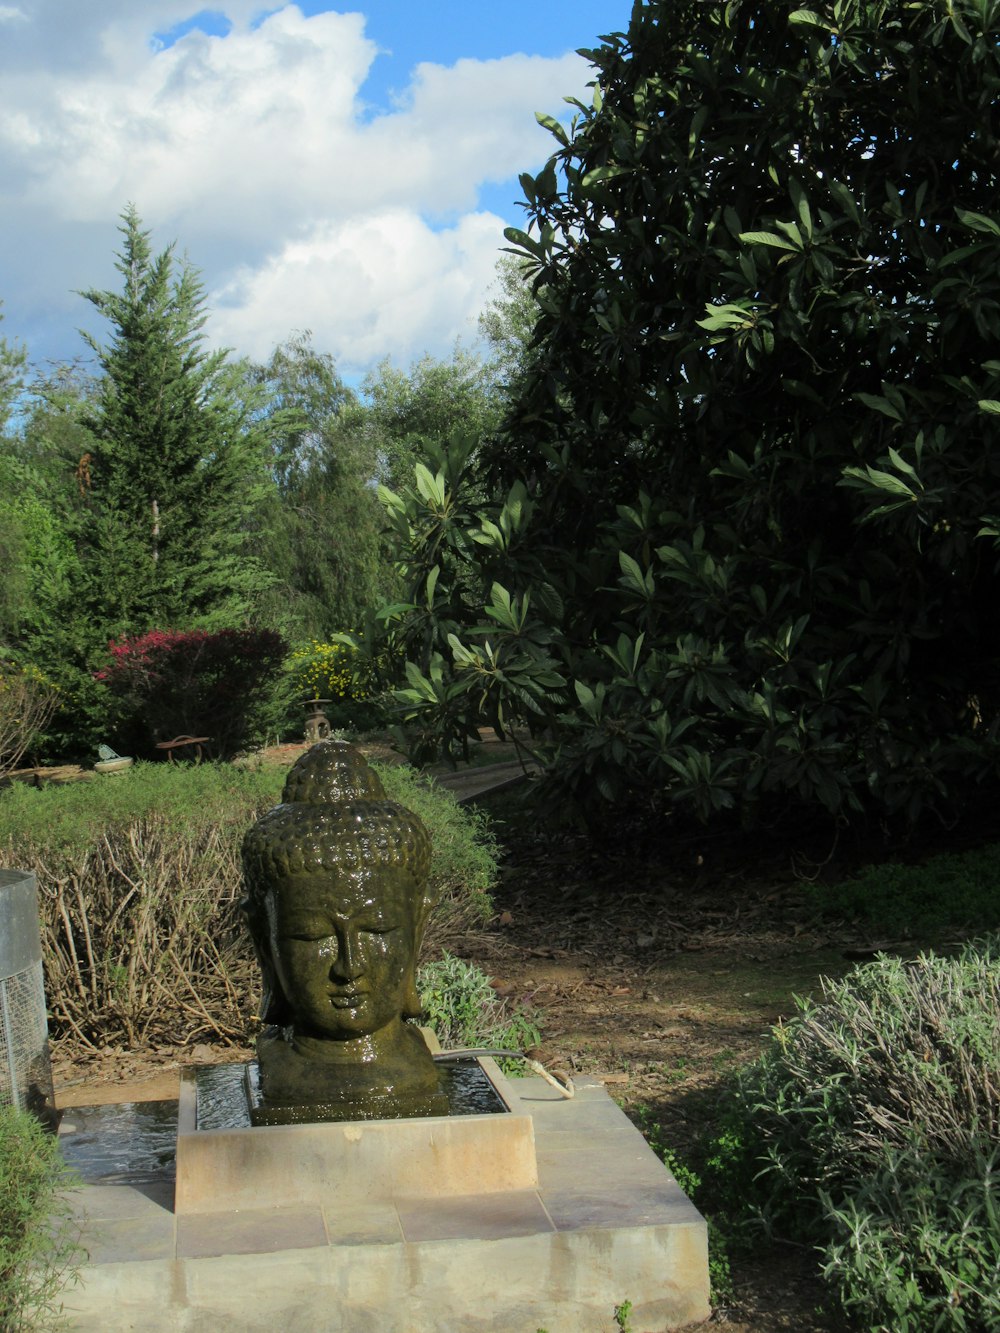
point(25, 1066)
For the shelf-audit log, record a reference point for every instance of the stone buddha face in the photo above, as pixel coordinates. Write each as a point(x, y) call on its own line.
point(337, 898)
point(343, 944)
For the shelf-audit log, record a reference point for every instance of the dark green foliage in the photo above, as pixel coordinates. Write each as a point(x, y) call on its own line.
point(177, 466)
point(129, 500)
point(464, 854)
point(870, 1126)
point(39, 1250)
point(13, 360)
point(453, 547)
point(45, 621)
point(719, 1274)
point(745, 504)
point(957, 890)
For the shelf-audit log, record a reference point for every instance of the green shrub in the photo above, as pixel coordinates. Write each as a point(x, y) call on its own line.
point(465, 1011)
point(734, 548)
point(465, 852)
point(38, 1237)
point(194, 682)
point(140, 883)
point(915, 1249)
point(955, 889)
point(870, 1126)
point(342, 673)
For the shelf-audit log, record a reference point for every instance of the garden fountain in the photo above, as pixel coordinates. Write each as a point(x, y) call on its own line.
point(343, 1196)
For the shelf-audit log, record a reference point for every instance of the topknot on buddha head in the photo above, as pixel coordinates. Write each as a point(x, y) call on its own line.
point(332, 771)
point(334, 815)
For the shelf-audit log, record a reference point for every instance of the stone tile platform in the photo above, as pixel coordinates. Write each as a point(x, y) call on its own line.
point(606, 1223)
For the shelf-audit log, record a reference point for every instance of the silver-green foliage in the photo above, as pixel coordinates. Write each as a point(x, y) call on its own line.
point(465, 1011)
point(39, 1249)
point(871, 1125)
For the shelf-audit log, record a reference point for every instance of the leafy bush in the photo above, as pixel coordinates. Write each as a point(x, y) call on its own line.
point(464, 856)
point(338, 671)
point(736, 549)
point(38, 1237)
point(465, 1011)
point(955, 889)
point(27, 701)
point(871, 1126)
point(195, 682)
point(139, 891)
point(913, 1249)
point(335, 671)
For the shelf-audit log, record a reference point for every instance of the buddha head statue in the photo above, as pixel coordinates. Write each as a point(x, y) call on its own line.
point(337, 900)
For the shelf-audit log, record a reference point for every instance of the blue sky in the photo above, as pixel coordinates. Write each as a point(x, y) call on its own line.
point(346, 170)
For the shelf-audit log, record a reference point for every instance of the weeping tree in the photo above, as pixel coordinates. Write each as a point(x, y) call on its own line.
point(743, 546)
point(321, 529)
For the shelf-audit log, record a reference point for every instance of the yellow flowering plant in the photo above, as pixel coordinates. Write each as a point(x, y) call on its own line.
point(336, 671)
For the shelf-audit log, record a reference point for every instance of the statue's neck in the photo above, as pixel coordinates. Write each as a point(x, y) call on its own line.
point(387, 1043)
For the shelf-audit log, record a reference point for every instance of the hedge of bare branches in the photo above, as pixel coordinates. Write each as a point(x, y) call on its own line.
point(139, 890)
point(142, 938)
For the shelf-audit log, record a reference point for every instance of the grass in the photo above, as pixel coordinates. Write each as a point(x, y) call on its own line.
point(951, 891)
point(39, 1250)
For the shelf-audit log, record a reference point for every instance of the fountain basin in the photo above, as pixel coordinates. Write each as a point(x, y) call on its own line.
point(606, 1222)
point(352, 1162)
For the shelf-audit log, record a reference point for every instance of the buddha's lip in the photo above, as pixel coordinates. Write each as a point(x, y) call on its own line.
point(356, 994)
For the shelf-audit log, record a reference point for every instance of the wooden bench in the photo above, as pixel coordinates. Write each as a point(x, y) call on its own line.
point(180, 742)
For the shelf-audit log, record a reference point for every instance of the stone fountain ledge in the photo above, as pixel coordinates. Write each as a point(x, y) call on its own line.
point(606, 1222)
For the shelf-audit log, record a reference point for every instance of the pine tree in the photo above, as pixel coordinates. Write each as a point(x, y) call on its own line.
point(177, 467)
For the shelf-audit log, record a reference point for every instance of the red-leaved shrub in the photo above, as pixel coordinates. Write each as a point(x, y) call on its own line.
point(194, 683)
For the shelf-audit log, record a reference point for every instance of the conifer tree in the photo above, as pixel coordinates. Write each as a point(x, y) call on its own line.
point(177, 468)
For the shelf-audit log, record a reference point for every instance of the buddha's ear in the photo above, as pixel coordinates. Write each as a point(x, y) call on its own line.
point(273, 1001)
point(412, 1008)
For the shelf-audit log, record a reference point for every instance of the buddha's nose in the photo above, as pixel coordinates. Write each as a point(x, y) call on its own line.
point(348, 964)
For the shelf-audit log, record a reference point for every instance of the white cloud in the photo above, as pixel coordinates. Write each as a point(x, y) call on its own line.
point(257, 152)
point(366, 286)
point(12, 14)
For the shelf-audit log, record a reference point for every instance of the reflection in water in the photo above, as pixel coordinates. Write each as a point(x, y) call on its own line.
point(125, 1143)
point(222, 1102)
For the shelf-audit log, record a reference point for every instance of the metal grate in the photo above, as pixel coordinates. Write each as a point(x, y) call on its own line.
point(25, 1067)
